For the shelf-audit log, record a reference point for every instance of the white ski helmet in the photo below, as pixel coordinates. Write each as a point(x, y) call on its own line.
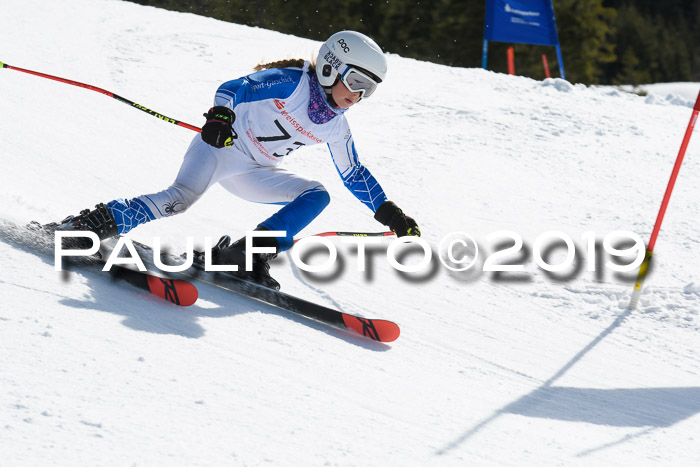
point(353, 58)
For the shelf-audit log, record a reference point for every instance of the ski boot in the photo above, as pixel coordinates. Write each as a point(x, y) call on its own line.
point(225, 252)
point(100, 221)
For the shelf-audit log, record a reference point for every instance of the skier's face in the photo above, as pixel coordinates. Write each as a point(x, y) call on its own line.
point(343, 96)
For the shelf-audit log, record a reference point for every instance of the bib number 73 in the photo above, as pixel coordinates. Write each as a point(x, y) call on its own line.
point(281, 137)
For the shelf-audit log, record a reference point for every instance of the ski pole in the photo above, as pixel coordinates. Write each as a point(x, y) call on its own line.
point(106, 93)
point(644, 268)
point(349, 234)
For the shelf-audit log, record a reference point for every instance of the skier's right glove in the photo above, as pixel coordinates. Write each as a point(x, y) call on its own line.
point(391, 215)
point(218, 130)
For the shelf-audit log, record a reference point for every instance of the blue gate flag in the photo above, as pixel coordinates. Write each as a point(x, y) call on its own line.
point(521, 22)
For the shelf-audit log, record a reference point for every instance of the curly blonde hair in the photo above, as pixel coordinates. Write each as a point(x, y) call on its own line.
point(286, 63)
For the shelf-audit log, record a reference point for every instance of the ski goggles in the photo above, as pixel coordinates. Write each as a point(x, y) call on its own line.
point(352, 77)
point(358, 81)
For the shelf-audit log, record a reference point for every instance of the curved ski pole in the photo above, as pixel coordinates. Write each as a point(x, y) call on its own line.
point(349, 234)
point(106, 93)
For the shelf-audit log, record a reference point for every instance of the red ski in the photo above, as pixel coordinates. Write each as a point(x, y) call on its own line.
point(176, 291)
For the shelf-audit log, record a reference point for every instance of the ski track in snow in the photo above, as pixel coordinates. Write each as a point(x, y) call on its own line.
point(516, 369)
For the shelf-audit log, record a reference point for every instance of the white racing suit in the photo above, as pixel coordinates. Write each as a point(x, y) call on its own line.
point(277, 112)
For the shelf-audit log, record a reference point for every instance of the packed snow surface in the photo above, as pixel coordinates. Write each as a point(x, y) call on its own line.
point(510, 368)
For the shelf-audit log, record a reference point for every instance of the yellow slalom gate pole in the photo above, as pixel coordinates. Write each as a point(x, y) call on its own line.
point(643, 270)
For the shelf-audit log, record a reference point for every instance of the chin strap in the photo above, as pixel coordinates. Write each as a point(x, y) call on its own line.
point(329, 96)
point(329, 92)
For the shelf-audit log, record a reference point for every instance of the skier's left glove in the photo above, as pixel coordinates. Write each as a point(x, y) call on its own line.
point(391, 215)
point(218, 130)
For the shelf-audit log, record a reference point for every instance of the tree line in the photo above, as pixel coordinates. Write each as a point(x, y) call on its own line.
point(602, 41)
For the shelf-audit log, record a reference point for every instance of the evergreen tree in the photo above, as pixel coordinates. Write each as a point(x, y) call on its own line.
point(602, 41)
point(585, 34)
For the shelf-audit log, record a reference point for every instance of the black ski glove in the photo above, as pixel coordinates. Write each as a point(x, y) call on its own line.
point(391, 215)
point(218, 131)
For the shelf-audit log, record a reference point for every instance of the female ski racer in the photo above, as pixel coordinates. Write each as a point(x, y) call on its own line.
point(257, 121)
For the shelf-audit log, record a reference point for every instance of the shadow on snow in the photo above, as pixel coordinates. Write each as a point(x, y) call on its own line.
point(651, 408)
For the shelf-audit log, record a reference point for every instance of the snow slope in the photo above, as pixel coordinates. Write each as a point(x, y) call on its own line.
point(675, 93)
point(513, 370)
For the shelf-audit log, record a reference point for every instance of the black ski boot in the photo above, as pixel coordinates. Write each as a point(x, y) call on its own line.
point(100, 221)
point(226, 252)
